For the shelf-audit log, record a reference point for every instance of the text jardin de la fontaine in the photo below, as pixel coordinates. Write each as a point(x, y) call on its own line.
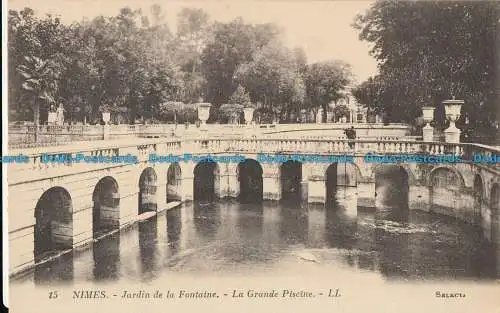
point(185, 294)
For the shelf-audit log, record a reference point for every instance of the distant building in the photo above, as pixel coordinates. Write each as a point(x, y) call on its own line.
point(348, 110)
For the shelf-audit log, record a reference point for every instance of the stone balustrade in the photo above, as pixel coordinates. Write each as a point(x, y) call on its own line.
point(309, 146)
point(462, 191)
point(23, 136)
point(36, 167)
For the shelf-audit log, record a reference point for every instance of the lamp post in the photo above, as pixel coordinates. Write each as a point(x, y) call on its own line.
point(452, 107)
point(428, 130)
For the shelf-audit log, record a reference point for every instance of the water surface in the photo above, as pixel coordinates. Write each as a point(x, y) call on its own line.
point(279, 238)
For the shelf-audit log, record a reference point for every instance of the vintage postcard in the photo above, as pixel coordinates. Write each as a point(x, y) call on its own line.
point(251, 156)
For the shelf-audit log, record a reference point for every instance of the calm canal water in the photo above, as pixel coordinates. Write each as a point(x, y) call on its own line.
point(230, 238)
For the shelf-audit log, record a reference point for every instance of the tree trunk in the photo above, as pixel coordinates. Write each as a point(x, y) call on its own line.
point(323, 117)
point(36, 117)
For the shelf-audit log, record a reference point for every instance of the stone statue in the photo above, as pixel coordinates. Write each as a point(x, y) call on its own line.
point(60, 115)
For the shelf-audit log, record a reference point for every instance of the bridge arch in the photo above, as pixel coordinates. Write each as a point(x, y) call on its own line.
point(174, 182)
point(445, 186)
point(383, 167)
point(392, 184)
point(340, 176)
point(106, 206)
point(479, 197)
point(53, 223)
point(206, 181)
point(290, 178)
point(147, 190)
point(458, 175)
point(495, 212)
point(251, 181)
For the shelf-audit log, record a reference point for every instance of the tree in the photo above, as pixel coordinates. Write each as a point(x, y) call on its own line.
point(340, 111)
point(301, 59)
point(272, 78)
point(178, 112)
point(430, 51)
point(325, 82)
point(240, 96)
point(230, 113)
point(39, 40)
point(231, 45)
point(193, 32)
point(39, 84)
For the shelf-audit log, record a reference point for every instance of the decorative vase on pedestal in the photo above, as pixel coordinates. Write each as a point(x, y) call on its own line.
point(452, 133)
point(428, 130)
point(248, 114)
point(203, 114)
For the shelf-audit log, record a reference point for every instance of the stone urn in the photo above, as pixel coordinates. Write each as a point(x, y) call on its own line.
point(203, 114)
point(106, 117)
point(248, 114)
point(427, 130)
point(452, 107)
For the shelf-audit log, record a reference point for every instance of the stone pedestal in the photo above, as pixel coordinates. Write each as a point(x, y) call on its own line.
point(105, 132)
point(452, 134)
point(428, 133)
point(52, 118)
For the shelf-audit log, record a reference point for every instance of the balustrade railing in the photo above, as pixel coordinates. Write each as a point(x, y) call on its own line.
point(38, 164)
point(302, 145)
point(23, 136)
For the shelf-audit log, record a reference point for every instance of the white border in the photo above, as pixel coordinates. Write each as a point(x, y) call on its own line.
point(5, 121)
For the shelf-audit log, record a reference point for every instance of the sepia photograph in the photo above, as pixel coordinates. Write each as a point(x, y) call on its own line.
point(246, 156)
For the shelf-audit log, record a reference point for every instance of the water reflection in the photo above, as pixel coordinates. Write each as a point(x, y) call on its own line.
point(392, 245)
point(174, 228)
point(206, 219)
point(58, 270)
point(366, 241)
point(250, 221)
point(294, 222)
point(340, 228)
point(148, 239)
point(244, 238)
point(106, 254)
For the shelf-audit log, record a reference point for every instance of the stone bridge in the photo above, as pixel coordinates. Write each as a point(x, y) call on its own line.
point(58, 206)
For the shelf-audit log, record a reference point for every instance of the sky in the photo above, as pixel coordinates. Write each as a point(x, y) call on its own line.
point(322, 28)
